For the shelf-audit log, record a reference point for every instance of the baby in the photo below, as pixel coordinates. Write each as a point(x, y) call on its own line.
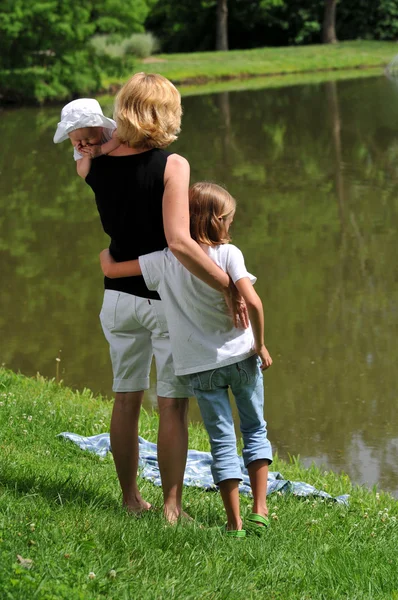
point(91, 133)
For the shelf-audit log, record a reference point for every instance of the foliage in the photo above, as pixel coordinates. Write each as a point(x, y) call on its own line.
point(107, 45)
point(365, 19)
point(110, 50)
point(52, 35)
point(190, 25)
point(140, 45)
point(184, 26)
point(78, 73)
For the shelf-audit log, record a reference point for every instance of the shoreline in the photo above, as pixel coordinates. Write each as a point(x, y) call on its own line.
point(202, 80)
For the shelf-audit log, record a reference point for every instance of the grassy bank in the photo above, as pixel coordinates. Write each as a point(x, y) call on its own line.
point(202, 67)
point(258, 83)
point(60, 508)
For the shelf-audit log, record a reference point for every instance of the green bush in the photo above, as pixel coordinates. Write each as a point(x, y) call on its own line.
point(142, 45)
point(108, 46)
point(44, 51)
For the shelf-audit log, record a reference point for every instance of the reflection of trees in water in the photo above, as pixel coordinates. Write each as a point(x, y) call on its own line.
point(374, 464)
point(310, 184)
point(314, 171)
point(225, 128)
point(48, 254)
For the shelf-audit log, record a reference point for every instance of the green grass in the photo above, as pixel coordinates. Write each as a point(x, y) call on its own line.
point(257, 83)
point(60, 508)
point(202, 67)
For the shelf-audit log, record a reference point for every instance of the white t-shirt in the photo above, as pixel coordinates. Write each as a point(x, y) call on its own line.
point(202, 332)
point(106, 136)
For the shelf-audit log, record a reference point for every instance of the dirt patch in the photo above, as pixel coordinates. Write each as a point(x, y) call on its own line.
point(153, 59)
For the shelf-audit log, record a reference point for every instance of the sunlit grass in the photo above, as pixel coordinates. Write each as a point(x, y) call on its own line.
point(202, 67)
point(60, 508)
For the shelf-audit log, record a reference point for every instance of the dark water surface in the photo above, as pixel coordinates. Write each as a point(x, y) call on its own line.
point(315, 172)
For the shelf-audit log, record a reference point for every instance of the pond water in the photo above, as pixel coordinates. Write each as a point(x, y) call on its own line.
point(315, 172)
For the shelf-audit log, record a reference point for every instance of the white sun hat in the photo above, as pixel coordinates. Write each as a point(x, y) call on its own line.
point(84, 112)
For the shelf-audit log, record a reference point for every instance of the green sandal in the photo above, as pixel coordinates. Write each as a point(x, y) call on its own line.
point(235, 533)
point(257, 524)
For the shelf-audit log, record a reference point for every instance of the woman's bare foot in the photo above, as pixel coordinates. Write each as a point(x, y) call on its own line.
point(137, 505)
point(176, 515)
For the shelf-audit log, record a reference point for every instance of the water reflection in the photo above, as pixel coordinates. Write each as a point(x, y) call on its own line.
point(314, 169)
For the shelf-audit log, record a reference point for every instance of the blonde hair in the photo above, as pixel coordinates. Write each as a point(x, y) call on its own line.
point(148, 112)
point(209, 206)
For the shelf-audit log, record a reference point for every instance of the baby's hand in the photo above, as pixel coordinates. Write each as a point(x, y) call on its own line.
point(82, 150)
point(92, 151)
point(266, 360)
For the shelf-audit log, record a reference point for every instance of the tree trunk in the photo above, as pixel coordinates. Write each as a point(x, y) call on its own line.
point(329, 23)
point(334, 111)
point(222, 25)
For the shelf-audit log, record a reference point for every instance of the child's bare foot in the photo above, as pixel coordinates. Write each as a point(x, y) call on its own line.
point(261, 511)
point(257, 523)
point(234, 525)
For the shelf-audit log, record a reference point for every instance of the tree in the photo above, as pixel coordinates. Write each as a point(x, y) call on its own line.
point(222, 25)
point(44, 45)
point(329, 23)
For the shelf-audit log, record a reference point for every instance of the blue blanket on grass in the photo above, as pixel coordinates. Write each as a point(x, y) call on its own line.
point(197, 471)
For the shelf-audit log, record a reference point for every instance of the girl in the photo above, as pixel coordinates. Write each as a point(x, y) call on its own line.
point(216, 355)
point(141, 192)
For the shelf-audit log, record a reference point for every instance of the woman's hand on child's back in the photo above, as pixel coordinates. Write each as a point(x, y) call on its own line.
point(266, 360)
point(237, 306)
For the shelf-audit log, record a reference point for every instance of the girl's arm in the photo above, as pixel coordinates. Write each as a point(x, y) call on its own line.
point(114, 270)
point(256, 315)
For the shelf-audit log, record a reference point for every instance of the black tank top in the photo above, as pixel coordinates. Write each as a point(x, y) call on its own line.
point(128, 192)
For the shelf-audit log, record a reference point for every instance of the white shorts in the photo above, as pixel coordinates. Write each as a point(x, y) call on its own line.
point(136, 329)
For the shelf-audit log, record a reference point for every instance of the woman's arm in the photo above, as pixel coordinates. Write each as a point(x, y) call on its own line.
point(176, 226)
point(188, 252)
point(256, 315)
point(115, 270)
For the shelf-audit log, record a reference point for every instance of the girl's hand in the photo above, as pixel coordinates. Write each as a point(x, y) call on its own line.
point(106, 260)
point(266, 360)
point(237, 306)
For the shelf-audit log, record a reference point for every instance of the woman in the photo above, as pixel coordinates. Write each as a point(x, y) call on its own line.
point(141, 193)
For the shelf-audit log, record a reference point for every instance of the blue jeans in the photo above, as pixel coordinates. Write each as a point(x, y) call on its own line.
point(211, 390)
